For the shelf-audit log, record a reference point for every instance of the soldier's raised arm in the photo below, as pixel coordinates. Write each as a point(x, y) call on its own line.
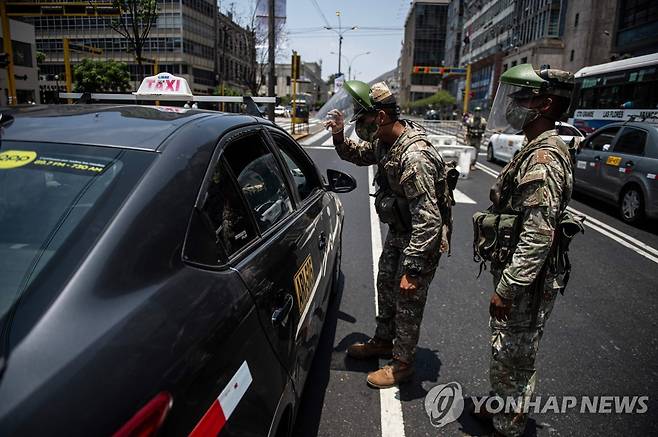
point(356, 152)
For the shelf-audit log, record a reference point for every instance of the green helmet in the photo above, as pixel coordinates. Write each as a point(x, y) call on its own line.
point(477, 109)
point(369, 99)
point(533, 83)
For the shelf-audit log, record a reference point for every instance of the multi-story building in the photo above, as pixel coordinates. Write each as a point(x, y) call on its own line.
point(636, 29)
point(310, 86)
point(183, 41)
point(487, 36)
point(25, 64)
point(424, 45)
point(454, 44)
point(236, 63)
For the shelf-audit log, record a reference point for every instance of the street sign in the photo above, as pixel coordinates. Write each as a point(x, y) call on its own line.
point(338, 83)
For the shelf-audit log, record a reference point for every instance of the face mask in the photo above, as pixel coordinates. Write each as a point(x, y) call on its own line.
point(518, 117)
point(367, 131)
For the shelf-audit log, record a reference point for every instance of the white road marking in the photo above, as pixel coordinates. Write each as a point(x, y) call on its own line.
point(462, 198)
point(614, 234)
point(392, 421)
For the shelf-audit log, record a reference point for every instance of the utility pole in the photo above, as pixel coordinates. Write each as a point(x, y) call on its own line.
point(271, 60)
point(340, 41)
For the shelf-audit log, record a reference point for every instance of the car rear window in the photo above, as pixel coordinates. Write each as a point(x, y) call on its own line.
point(46, 191)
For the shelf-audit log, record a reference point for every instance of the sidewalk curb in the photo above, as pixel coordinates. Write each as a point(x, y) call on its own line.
point(310, 132)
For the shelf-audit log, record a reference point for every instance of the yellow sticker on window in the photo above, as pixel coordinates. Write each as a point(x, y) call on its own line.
point(303, 280)
point(16, 158)
point(613, 160)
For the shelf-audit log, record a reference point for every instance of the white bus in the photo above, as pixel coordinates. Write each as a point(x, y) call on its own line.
point(616, 91)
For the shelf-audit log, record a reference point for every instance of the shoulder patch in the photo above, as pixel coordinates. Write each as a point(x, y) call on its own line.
point(543, 156)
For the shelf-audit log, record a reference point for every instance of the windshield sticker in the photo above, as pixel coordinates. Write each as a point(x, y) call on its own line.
point(64, 164)
point(16, 158)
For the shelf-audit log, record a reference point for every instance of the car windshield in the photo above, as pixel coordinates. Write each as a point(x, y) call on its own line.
point(46, 192)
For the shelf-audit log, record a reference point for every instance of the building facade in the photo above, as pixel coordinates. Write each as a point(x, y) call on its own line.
point(25, 65)
point(183, 40)
point(453, 48)
point(310, 86)
point(424, 45)
point(636, 28)
point(236, 56)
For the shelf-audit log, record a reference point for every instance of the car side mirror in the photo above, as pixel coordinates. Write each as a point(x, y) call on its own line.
point(340, 182)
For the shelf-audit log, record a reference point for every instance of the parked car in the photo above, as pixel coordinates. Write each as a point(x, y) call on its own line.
point(503, 146)
point(163, 270)
point(280, 111)
point(618, 163)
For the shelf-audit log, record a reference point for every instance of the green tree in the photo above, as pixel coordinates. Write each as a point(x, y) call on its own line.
point(95, 76)
point(135, 22)
point(441, 99)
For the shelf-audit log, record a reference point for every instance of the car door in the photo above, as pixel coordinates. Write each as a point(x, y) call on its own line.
point(243, 381)
point(282, 270)
point(317, 219)
point(589, 159)
point(624, 159)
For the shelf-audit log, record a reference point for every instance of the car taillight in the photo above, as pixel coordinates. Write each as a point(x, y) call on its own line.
point(149, 418)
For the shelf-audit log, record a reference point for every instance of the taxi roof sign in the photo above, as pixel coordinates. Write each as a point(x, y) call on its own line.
point(164, 84)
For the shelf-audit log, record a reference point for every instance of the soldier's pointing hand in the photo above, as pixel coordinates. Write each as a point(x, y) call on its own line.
point(335, 121)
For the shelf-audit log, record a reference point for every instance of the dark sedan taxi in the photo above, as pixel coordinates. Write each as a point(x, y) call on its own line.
point(162, 270)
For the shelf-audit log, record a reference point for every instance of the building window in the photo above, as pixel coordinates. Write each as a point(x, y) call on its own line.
point(504, 67)
point(524, 60)
point(571, 56)
point(513, 63)
point(575, 21)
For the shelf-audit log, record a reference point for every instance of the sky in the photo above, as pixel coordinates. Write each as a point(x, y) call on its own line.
point(305, 33)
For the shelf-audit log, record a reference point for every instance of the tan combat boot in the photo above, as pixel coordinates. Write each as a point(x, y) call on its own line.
point(391, 374)
point(372, 348)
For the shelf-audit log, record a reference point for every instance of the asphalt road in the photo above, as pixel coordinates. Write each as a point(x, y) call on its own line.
point(601, 340)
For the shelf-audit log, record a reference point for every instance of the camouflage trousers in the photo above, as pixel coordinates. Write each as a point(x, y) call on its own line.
point(400, 315)
point(474, 142)
point(514, 346)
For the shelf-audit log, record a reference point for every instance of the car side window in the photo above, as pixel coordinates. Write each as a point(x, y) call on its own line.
point(260, 179)
point(631, 141)
point(227, 213)
point(602, 141)
point(568, 131)
point(302, 172)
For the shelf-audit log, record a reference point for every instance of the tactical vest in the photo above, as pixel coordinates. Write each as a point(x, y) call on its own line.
point(390, 200)
point(475, 129)
point(497, 230)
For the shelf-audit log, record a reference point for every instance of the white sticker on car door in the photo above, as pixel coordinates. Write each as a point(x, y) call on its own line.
point(581, 164)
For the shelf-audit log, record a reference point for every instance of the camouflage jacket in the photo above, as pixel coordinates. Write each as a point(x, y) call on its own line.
point(414, 170)
point(541, 192)
point(475, 126)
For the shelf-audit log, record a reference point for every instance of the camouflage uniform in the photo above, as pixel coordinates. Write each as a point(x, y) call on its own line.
point(414, 170)
point(541, 191)
point(475, 127)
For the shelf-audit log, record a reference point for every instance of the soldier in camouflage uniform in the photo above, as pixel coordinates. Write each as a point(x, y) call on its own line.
point(535, 187)
point(411, 199)
point(475, 128)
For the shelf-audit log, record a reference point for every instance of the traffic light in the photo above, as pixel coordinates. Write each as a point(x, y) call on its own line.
point(296, 65)
point(4, 60)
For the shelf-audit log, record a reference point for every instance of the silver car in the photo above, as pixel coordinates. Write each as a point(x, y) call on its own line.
point(618, 163)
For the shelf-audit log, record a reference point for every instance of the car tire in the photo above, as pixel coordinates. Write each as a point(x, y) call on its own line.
point(631, 205)
point(490, 153)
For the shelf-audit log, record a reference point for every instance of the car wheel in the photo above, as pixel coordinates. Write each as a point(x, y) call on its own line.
point(631, 205)
point(490, 153)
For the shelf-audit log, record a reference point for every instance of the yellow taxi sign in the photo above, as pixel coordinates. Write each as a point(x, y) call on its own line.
point(164, 84)
point(613, 160)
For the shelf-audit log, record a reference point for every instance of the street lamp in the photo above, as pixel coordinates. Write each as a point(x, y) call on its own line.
point(340, 32)
point(57, 92)
point(349, 62)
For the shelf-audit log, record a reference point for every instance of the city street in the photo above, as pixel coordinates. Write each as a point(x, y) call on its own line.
point(601, 339)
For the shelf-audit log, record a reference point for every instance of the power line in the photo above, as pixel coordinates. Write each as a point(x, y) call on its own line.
point(317, 8)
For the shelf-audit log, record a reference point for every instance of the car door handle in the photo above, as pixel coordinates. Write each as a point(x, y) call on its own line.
point(597, 158)
point(280, 315)
point(322, 241)
point(630, 164)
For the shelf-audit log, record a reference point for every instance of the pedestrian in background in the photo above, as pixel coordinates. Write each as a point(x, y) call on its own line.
point(475, 127)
